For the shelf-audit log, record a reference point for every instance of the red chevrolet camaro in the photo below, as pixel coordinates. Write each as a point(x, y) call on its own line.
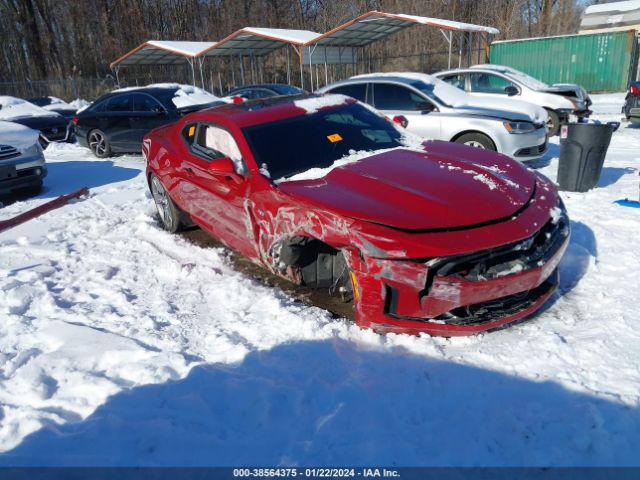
point(429, 237)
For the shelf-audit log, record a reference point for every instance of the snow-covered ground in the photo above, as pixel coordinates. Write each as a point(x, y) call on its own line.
point(121, 344)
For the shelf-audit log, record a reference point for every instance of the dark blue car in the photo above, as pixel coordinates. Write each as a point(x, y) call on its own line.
point(117, 122)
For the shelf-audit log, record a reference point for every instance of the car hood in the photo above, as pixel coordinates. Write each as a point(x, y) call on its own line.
point(568, 90)
point(17, 136)
point(42, 122)
point(446, 186)
point(505, 108)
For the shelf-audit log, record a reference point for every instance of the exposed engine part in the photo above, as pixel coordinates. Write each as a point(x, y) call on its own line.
point(315, 263)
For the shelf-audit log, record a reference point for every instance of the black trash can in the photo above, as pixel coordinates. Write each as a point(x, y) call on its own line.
point(583, 147)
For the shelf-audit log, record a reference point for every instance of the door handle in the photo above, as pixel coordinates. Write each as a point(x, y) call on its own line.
point(189, 171)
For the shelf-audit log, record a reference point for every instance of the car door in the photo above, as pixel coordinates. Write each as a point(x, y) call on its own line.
point(147, 114)
point(393, 99)
point(490, 84)
point(114, 121)
point(216, 199)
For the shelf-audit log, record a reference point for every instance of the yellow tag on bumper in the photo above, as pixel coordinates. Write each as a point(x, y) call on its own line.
point(334, 138)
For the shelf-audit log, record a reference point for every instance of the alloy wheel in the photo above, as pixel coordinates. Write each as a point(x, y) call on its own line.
point(98, 143)
point(162, 201)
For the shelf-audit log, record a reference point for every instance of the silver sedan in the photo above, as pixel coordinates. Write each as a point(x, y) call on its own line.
point(439, 111)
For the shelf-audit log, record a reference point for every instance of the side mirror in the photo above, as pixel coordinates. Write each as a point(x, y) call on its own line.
point(224, 167)
point(401, 120)
point(424, 107)
point(511, 90)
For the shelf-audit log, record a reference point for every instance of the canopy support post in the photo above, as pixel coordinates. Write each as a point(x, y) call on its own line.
point(116, 71)
point(201, 62)
point(273, 58)
point(193, 71)
point(242, 69)
point(326, 74)
point(288, 67)
point(449, 39)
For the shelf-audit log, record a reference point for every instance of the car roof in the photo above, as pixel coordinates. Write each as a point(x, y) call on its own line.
point(261, 110)
point(474, 68)
point(377, 78)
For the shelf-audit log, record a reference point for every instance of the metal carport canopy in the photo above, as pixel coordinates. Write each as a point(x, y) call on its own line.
point(257, 42)
point(372, 26)
point(160, 52)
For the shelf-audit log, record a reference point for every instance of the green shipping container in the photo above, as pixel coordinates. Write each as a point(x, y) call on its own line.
point(600, 62)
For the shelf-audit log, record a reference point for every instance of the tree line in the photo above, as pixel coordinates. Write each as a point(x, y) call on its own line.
point(47, 39)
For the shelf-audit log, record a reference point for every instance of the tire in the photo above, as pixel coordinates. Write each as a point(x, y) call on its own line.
point(168, 213)
point(99, 144)
point(553, 123)
point(478, 140)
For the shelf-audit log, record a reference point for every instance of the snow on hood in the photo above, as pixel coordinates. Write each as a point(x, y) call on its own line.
point(454, 97)
point(185, 96)
point(313, 104)
point(18, 136)
point(12, 107)
point(416, 190)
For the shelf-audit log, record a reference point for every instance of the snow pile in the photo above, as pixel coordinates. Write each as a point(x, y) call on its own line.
point(313, 104)
point(57, 103)
point(79, 104)
point(12, 108)
point(185, 96)
point(18, 136)
point(123, 345)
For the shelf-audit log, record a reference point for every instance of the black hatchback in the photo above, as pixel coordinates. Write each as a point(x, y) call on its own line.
point(117, 122)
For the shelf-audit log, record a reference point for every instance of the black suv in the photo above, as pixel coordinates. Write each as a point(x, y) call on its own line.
point(117, 121)
point(631, 107)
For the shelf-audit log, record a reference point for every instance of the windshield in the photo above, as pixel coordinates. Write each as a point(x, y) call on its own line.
point(317, 140)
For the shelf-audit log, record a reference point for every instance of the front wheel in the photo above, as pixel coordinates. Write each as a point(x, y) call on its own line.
point(553, 124)
point(477, 140)
point(99, 144)
point(167, 210)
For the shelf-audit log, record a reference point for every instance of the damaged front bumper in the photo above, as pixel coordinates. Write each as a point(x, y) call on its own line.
point(463, 294)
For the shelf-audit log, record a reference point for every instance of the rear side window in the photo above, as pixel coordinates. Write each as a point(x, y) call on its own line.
point(121, 103)
point(251, 93)
point(146, 103)
point(488, 83)
point(211, 142)
point(358, 91)
point(387, 96)
point(99, 107)
point(455, 80)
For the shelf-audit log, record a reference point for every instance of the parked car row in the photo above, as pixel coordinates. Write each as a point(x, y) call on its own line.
point(53, 126)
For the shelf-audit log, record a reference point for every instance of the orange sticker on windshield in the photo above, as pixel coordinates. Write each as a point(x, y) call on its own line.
point(334, 138)
point(192, 130)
